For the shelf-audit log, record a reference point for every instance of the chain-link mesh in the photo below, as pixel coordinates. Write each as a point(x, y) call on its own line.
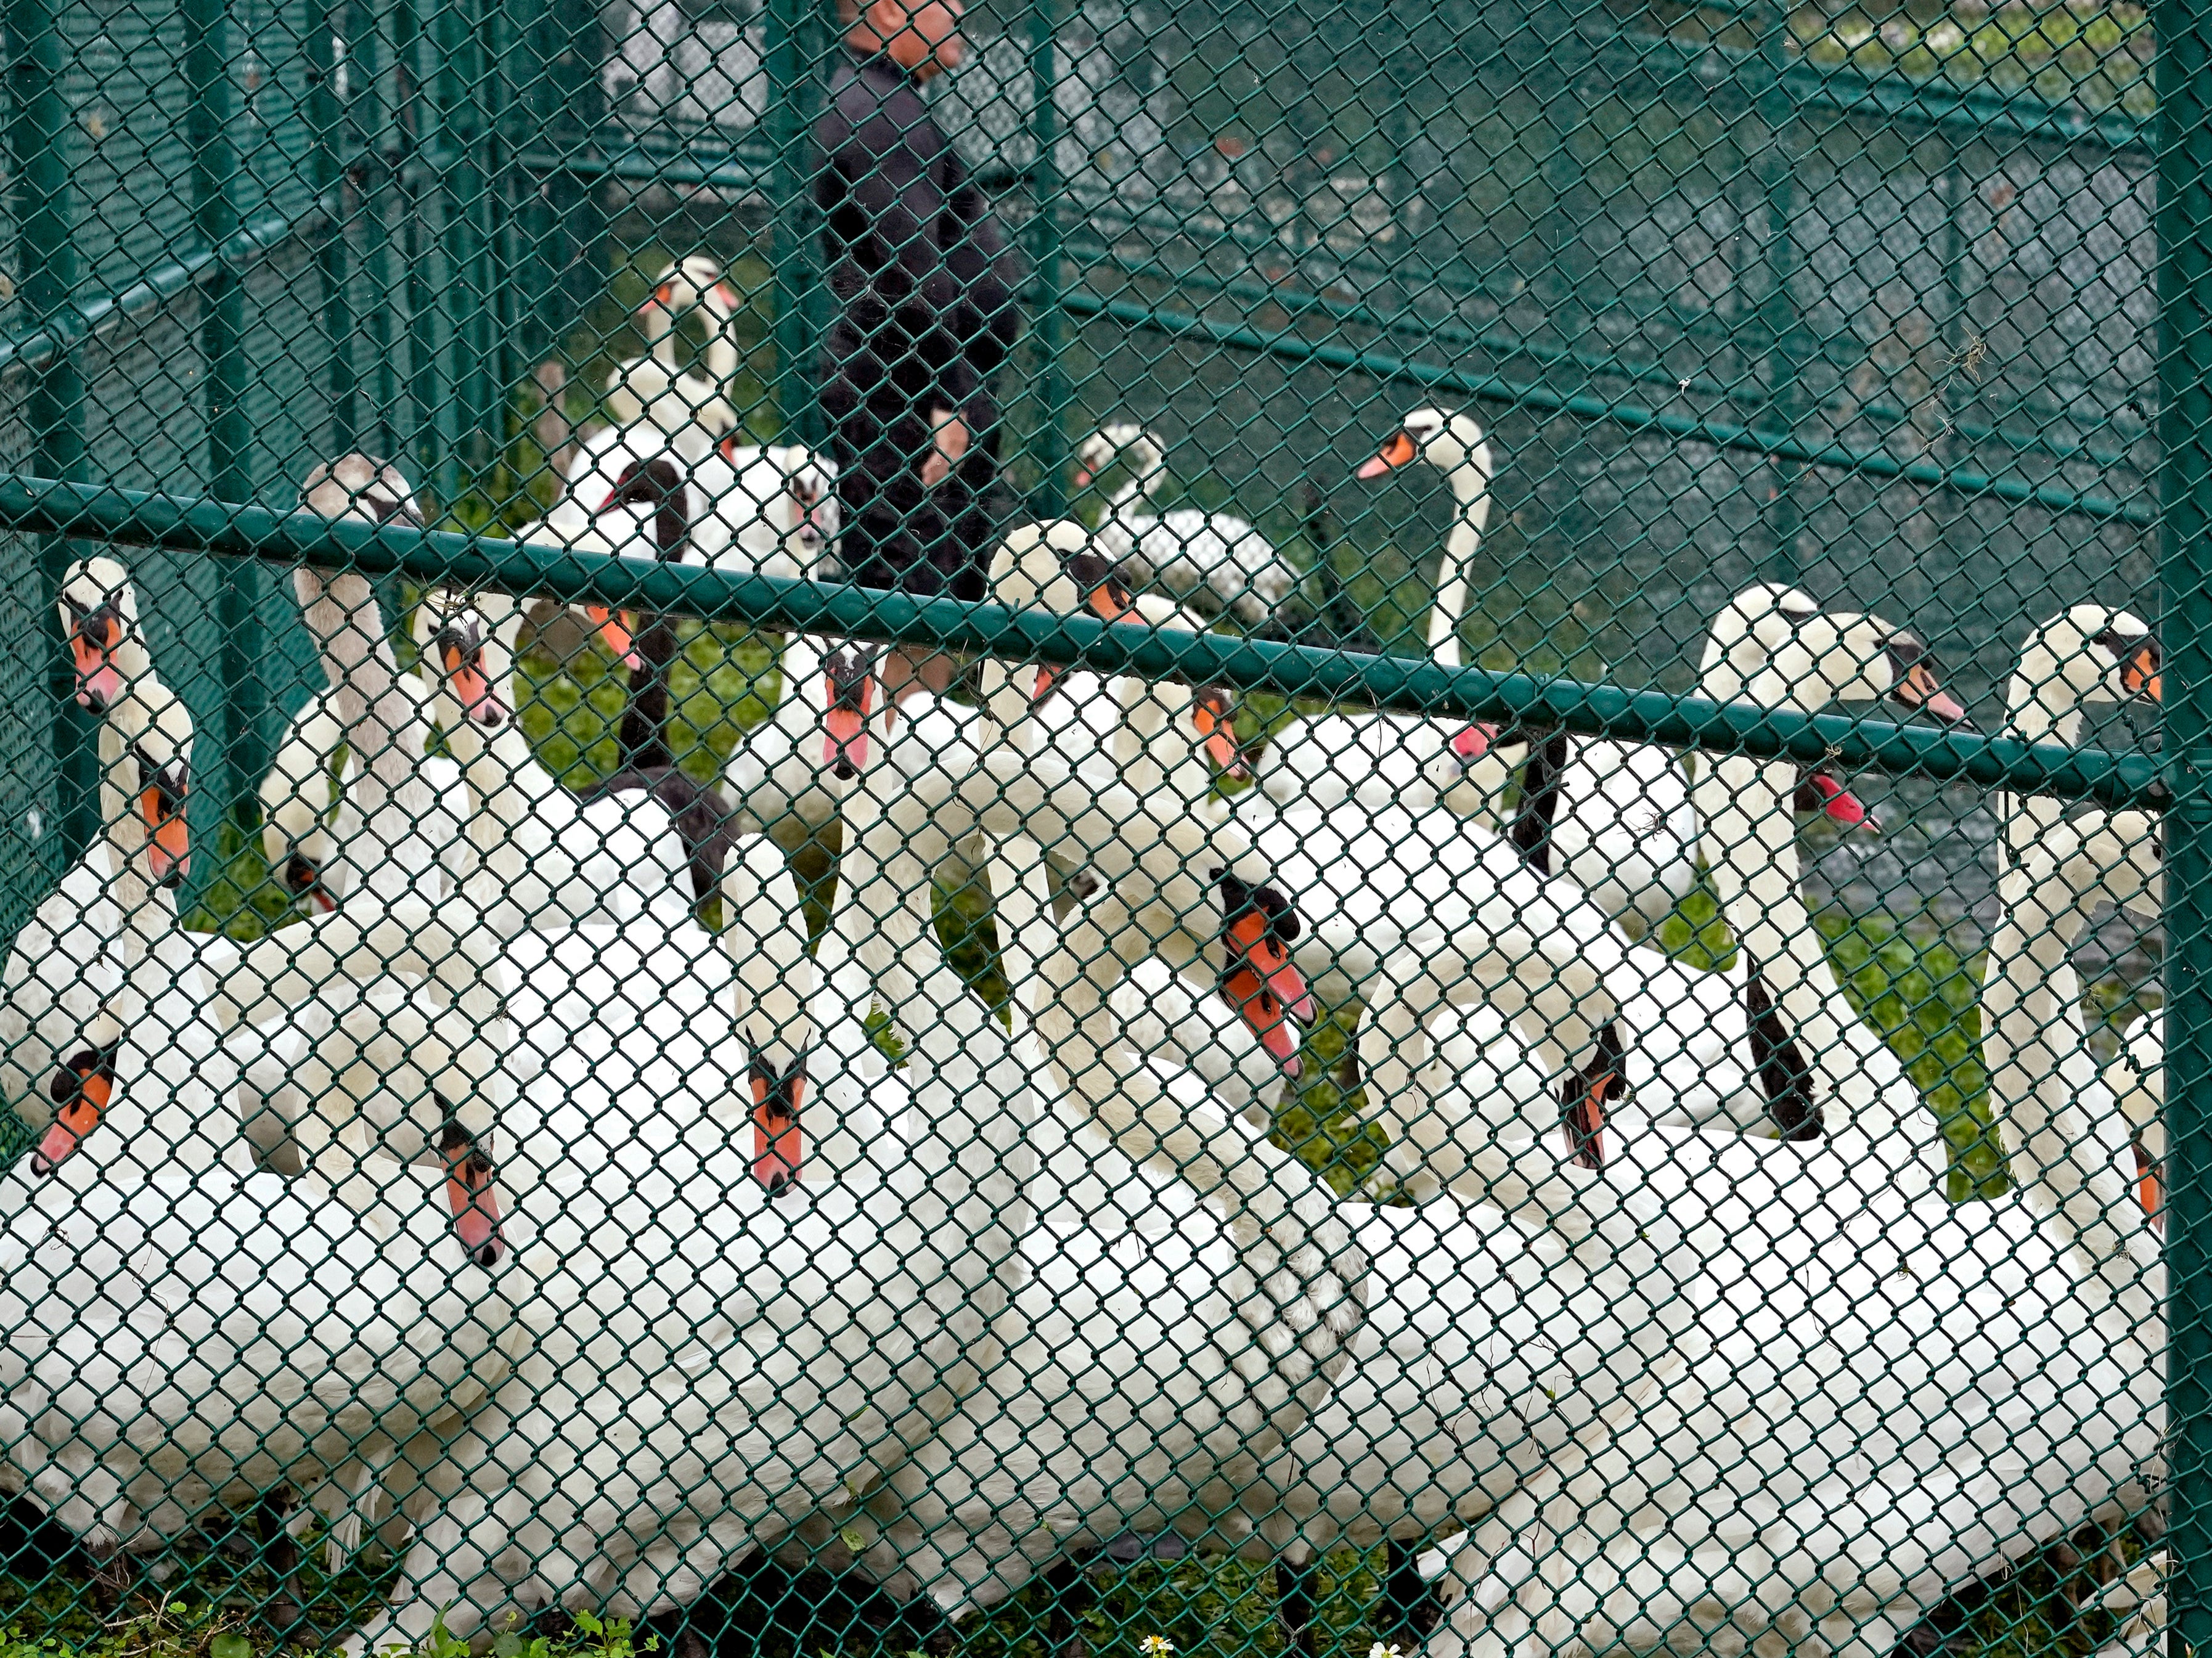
point(1102, 828)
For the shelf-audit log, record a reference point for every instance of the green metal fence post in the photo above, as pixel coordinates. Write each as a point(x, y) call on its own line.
point(325, 116)
point(45, 209)
point(1048, 500)
point(2184, 223)
point(1782, 321)
point(230, 435)
point(793, 56)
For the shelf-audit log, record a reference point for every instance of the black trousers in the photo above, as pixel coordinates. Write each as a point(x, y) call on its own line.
point(897, 533)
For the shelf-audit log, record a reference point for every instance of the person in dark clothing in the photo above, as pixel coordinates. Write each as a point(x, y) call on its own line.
point(924, 286)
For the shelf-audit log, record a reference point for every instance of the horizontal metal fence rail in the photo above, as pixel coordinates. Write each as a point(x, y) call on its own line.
point(130, 518)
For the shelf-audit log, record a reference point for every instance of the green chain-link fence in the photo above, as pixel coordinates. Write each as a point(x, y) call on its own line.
point(1105, 828)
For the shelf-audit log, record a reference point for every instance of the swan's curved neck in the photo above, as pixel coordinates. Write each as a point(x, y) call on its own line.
point(1745, 809)
point(1470, 488)
point(2049, 1096)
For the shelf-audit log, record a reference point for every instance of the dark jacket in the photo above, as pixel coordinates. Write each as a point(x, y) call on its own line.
point(923, 280)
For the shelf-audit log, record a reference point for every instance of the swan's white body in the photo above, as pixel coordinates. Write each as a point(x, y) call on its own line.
point(1186, 552)
point(1863, 1435)
point(146, 1277)
point(307, 814)
point(745, 1360)
point(689, 405)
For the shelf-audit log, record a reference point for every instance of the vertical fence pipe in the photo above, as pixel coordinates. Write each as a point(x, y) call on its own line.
point(2184, 228)
point(1048, 500)
point(461, 98)
point(324, 114)
point(370, 56)
point(208, 117)
point(1783, 324)
point(790, 54)
point(45, 215)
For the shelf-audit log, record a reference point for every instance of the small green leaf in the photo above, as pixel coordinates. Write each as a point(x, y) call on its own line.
point(230, 1646)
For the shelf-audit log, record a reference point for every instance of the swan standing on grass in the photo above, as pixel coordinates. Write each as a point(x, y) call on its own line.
point(139, 1385)
point(692, 407)
point(1902, 1456)
point(1188, 552)
point(62, 967)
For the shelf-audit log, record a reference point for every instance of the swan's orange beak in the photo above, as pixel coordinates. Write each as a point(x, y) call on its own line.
point(169, 845)
point(472, 687)
point(2139, 676)
point(614, 627)
point(1046, 679)
point(1262, 1010)
point(1839, 804)
point(1586, 1123)
point(1401, 451)
point(2150, 1187)
point(1471, 743)
point(1264, 986)
point(470, 1193)
point(852, 691)
point(82, 1091)
point(98, 680)
point(777, 1147)
point(1210, 716)
point(1920, 689)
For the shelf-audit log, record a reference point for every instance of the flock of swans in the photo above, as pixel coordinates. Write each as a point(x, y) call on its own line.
point(519, 1222)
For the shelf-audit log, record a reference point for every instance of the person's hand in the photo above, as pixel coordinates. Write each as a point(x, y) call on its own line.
point(949, 442)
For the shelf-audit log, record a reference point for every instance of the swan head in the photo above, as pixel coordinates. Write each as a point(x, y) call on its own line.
point(471, 1193)
point(361, 487)
point(98, 611)
point(849, 692)
point(81, 1090)
point(466, 659)
point(628, 494)
point(1058, 566)
point(155, 777)
point(777, 1095)
point(1259, 980)
point(1126, 442)
point(1773, 645)
point(1452, 442)
point(2089, 653)
point(695, 280)
point(778, 505)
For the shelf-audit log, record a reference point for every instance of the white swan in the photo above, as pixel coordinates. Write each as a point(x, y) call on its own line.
point(2061, 864)
point(62, 968)
point(1762, 649)
point(771, 508)
point(1914, 1451)
point(772, 1353)
point(692, 407)
point(1896, 1466)
point(1188, 552)
point(139, 1382)
point(1383, 759)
